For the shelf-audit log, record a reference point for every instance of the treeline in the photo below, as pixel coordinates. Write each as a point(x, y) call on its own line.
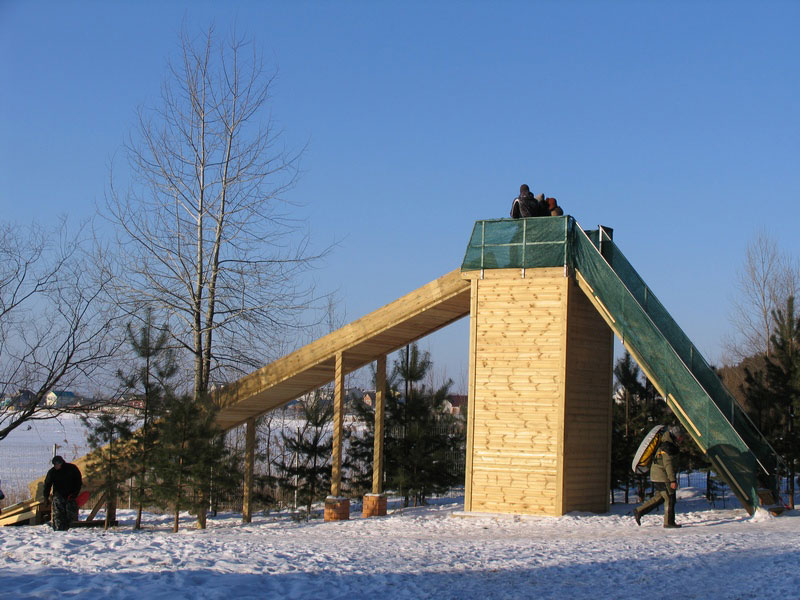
point(771, 389)
point(764, 372)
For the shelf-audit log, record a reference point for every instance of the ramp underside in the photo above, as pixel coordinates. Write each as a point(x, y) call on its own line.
point(385, 330)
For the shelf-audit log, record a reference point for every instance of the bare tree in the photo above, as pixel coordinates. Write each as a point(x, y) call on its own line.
point(206, 236)
point(53, 332)
point(765, 280)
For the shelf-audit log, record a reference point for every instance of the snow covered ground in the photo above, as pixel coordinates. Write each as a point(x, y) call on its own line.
point(414, 553)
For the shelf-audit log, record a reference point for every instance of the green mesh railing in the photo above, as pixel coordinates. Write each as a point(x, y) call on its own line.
point(524, 243)
point(691, 358)
point(738, 451)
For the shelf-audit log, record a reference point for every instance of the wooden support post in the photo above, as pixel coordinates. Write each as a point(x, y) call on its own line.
point(380, 401)
point(338, 421)
point(336, 507)
point(249, 465)
point(375, 503)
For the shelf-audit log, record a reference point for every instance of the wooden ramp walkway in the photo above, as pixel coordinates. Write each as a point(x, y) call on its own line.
point(385, 330)
point(381, 332)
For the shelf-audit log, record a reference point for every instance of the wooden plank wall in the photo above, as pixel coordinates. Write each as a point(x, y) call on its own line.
point(588, 406)
point(538, 437)
point(517, 332)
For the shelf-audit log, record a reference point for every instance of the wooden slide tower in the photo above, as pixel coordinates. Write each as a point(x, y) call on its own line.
point(545, 299)
point(539, 420)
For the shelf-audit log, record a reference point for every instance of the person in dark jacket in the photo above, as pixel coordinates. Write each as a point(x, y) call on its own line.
point(65, 480)
point(527, 205)
point(662, 474)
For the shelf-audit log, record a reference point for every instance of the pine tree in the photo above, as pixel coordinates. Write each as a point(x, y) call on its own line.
point(783, 379)
point(108, 463)
point(760, 400)
point(625, 436)
point(422, 439)
point(150, 380)
point(772, 392)
point(191, 458)
point(360, 443)
point(637, 409)
point(305, 468)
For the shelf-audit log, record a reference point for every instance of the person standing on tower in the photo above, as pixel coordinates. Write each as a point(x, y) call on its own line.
point(527, 205)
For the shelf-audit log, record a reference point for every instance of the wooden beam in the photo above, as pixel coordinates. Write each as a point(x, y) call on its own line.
point(338, 422)
point(393, 326)
point(22, 511)
point(100, 501)
point(249, 466)
point(380, 401)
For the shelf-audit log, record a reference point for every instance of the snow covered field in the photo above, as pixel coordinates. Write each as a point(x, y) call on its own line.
point(25, 454)
point(414, 553)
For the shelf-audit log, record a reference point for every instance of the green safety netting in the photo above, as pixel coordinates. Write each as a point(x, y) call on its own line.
point(738, 451)
point(523, 243)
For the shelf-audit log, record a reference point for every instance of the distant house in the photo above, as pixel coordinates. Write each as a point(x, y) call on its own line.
point(457, 403)
point(369, 399)
point(61, 399)
point(21, 399)
point(135, 401)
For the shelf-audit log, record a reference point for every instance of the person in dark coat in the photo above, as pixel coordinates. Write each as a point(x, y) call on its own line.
point(527, 205)
point(65, 480)
point(662, 474)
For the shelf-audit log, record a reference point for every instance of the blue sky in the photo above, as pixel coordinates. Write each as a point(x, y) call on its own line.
point(675, 123)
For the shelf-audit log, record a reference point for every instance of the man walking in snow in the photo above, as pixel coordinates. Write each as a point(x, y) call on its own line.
point(662, 474)
point(65, 480)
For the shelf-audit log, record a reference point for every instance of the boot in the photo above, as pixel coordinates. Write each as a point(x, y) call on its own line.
point(669, 514)
point(647, 507)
